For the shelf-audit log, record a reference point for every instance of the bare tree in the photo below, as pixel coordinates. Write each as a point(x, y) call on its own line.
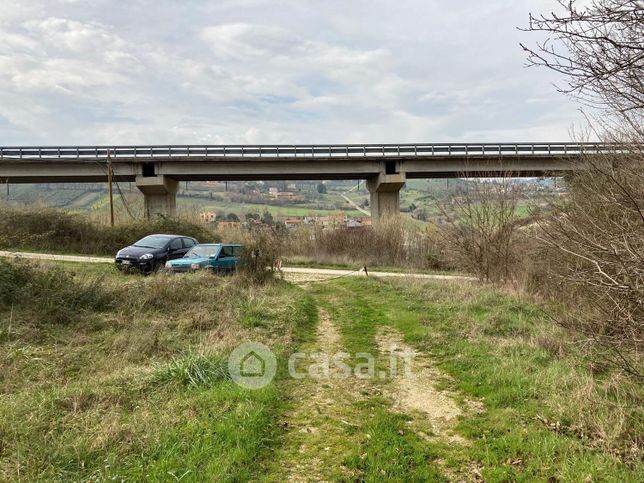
point(599, 48)
point(597, 237)
point(596, 234)
point(481, 227)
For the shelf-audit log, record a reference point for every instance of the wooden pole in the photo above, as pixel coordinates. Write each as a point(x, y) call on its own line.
point(109, 182)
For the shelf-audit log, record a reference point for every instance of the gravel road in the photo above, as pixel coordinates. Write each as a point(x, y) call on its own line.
point(298, 274)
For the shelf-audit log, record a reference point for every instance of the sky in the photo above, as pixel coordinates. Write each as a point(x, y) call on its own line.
point(274, 72)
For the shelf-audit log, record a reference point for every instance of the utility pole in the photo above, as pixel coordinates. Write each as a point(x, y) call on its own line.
point(109, 182)
point(7, 183)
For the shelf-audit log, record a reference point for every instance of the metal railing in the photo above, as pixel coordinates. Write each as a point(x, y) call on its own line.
point(305, 151)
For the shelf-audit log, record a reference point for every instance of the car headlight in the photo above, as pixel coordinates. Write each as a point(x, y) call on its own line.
point(147, 256)
point(195, 266)
point(168, 265)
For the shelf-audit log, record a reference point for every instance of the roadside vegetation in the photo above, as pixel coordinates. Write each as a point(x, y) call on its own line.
point(58, 231)
point(390, 244)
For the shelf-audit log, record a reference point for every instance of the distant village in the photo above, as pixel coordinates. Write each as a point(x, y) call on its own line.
point(323, 221)
point(277, 193)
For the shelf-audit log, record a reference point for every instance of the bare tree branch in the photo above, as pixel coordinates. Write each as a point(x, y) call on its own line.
point(599, 48)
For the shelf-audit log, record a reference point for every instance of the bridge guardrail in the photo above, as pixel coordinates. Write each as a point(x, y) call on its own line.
point(304, 151)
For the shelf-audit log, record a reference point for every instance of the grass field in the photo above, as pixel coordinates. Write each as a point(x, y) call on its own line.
point(97, 202)
point(53, 197)
point(134, 388)
point(545, 418)
point(125, 377)
point(240, 209)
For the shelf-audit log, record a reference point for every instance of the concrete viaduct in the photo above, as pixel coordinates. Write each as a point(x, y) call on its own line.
point(156, 170)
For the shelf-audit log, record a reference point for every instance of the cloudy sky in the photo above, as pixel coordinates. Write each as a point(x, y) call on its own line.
point(273, 71)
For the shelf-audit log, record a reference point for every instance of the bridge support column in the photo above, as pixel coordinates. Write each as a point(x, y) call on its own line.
point(385, 195)
point(160, 195)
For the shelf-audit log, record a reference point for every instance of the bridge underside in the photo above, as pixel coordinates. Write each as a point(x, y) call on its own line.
point(157, 177)
point(243, 169)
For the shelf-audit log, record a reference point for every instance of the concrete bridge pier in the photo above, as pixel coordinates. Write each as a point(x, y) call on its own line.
point(160, 195)
point(385, 195)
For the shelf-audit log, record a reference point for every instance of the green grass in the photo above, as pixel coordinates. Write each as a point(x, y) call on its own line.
point(356, 436)
point(381, 445)
point(486, 342)
point(392, 452)
point(138, 389)
point(240, 209)
point(126, 379)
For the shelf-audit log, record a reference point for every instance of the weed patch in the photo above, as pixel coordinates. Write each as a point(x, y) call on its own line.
point(194, 370)
point(58, 231)
point(52, 295)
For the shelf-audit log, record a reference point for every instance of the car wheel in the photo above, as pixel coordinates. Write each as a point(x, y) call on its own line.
point(148, 267)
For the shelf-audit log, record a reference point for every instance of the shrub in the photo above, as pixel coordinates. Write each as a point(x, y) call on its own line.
point(52, 294)
point(595, 240)
point(61, 231)
point(390, 243)
point(481, 230)
point(262, 249)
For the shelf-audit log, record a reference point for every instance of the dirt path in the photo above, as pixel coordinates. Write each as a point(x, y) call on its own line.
point(53, 257)
point(316, 443)
point(434, 412)
point(319, 436)
point(301, 274)
point(292, 274)
point(356, 205)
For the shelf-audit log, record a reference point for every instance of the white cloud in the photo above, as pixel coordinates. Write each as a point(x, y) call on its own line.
point(241, 40)
point(79, 71)
point(72, 36)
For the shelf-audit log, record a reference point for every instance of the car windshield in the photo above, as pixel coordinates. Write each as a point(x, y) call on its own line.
point(152, 241)
point(199, 251)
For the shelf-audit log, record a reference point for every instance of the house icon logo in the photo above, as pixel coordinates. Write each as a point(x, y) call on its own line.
point(252, 365)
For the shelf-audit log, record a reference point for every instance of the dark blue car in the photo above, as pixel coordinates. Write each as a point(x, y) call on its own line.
point(152, 252)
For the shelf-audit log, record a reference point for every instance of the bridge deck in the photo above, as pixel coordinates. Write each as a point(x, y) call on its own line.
point(264, 162)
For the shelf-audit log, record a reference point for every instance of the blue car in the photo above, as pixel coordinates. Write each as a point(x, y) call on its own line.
point(218, 257)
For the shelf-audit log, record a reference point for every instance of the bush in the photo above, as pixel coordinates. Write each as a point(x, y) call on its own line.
point(481, 234)
point(388, 244)
point(262, 249)
point(52, 294)
point(54, 230)
point(595, 243)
